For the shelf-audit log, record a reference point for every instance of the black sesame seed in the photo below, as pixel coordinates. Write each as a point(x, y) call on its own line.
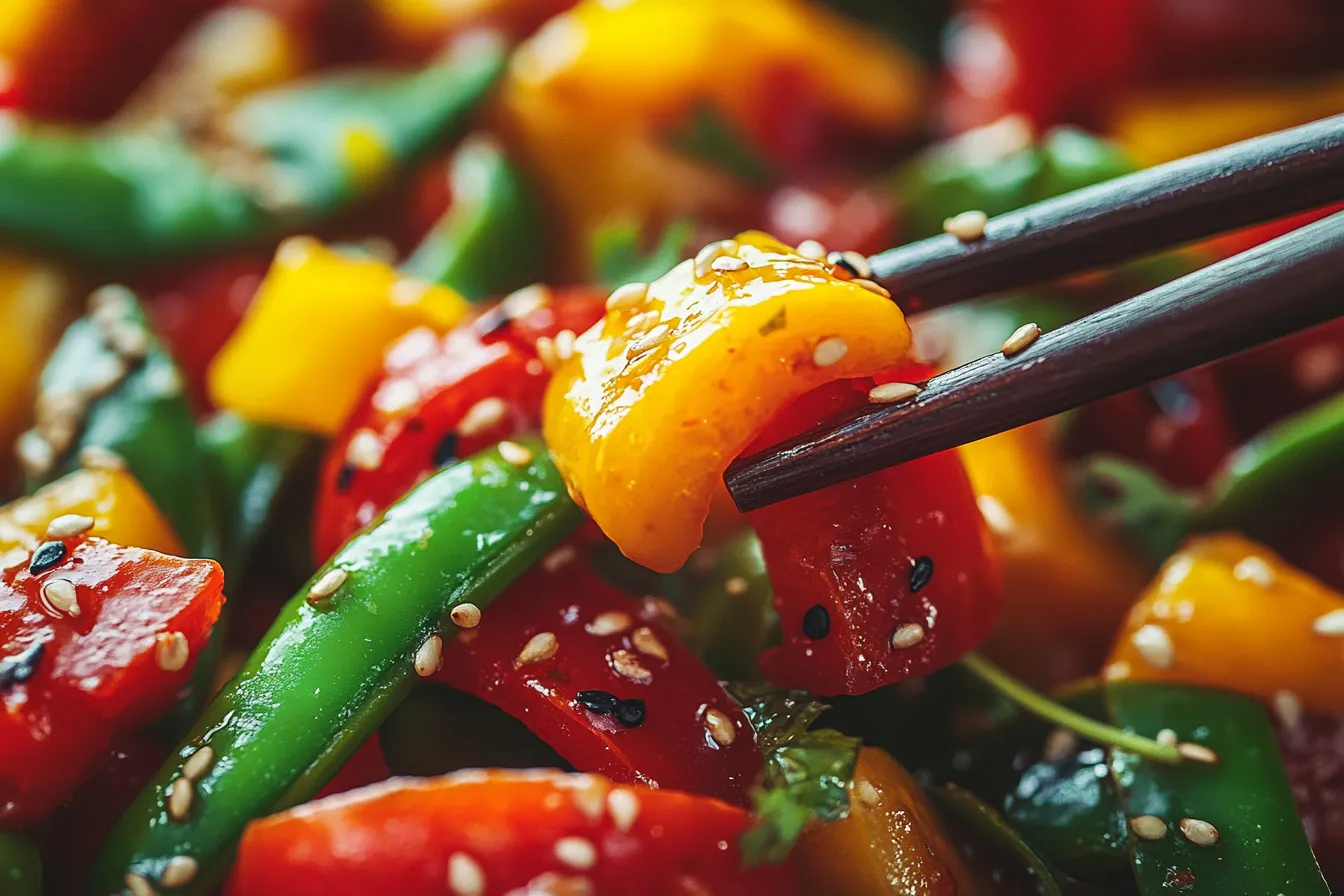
point(23, 665)
point(345, 477)
point(921, 570)
point(48, 554)
point(603, 703)
point(816, 622)
point(630, 713)
point(445, 452)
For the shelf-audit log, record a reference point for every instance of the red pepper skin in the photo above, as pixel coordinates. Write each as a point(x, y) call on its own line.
point(853, 549)
point(670, 748)
point(97, 676)
point(1311, 754)
point(504, 830)
point(489, 356)
point(838, 216)
point(367, 766)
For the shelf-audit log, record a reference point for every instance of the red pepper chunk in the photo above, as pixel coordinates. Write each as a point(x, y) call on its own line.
point(597, 675)
point(876, 580)
point(71, 682)
point(442, 398)
point(490, 833)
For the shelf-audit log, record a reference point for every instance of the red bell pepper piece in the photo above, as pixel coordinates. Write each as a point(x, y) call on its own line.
point(876, 580)
point(620, 696)
point(488, 833)
point(1311, 749)
point(70, 683)
point(366, 767)
point(440, 399)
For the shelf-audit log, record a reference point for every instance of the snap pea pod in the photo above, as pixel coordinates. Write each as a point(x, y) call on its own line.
point(20, 867)
point(1261, 847)
point(329, 671)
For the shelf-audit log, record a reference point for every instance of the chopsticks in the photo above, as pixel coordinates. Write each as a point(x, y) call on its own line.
point(1238, 185)
point(1270, 291)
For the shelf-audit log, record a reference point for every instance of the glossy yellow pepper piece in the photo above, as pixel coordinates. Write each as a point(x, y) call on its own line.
point(1067, 583)
point(22, 20)
point(892, 842)
point(589, 99)
point(1227, 612)
point(316, 332)
point(121, 512)
point(666, 390)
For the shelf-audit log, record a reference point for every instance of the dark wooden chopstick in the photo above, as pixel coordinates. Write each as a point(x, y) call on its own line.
point(1246, 183)
point(1275, 289)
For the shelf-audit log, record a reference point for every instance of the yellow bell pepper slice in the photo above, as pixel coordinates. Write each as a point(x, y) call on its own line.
point(1226, 612)
point(1067, 584)
point(662, 394)
point(121, 512)
point(316, 332)
point(21, 21)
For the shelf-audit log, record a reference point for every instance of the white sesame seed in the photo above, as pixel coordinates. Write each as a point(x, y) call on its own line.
point(1148, 827)
point(866, 793)
point(559, 558)
point(180, 871)
point(628, 666)
point(623, 806)
point(1197, 753)
point(465, 615)
point(1166, 737)
point(429, 656)
point(576, 852)
point(1288, 708)
point(139, 885)
point(60, 595)
point(465, 876)
point(736, 586)
point(1331, 624)
point(872, 286)
point(967, 226)
point(1199, 832)
point(705, 258)
point(365, 450)
point(482, 416)
point(1117, 671)
point(649, 341)
point(541, 646)
point(727, 264)
point(34, 453)
point(1020, 339)
point(646, 641)
point(171, 651)
point(627, 296)
point(68, 525)
point(891, 393)
point(608, 623)
point(564, 345)
point(720, 727)
point(907, 635)
point(96, 457)
point(812, 250)
point(330, 582)
point(180, 796)
point(515, 454)
point(198, 764)
point(546, 352)
point(829, 351)
point(396, 396)
point(1060, 744)
point(1254, 569)
point(850, 264)
point(522, 302)
point(590, 796)
point(1154, 645)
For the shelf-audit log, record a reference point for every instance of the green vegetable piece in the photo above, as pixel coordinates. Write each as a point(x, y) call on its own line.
point(974, 816)
point(776, 716)
point(329, 672)
point(488, 242)
point(1130, 498)
point(618, 258)
point(20, 867)
point(704, 134)
point(133, 407)
point(1261, 847)
point(731, 614)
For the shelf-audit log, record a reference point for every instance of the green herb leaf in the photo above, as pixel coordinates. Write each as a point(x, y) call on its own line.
point(777, 716)
point(618, 258)
point(705, 135)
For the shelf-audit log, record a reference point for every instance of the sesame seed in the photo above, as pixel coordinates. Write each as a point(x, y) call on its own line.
point(181, 794)
point(522, 302)
point(727, 264)
point(1254, 569)
point(705, 258)
point(560, 557)
point(627, 296)
point(921, 573)
point(850, 265)
point(720, 727)
point(630, 713)
point(967, 226)
point(1166, 737)
point(60, 595)
point(1148, 827)
point(829, 351)
point(68, 525)
point(1199, 832)
point(812, 250)
point(1117, 671)
point(330, 582)
point(649, 341)
point(180, 871)
point(1154, 645)
point(139, 885)
point(515, 454)
point(171, 651)
point(891, 393)
point(816, 622)
point(365, 450)
point(48, 555)
point(872, 286)
point(1330, 624)
point(564, 345)
point(623, 806)
point(627, 665)
point(396, 396)
point(602, 703)
point(576, 852)
point(34, 453)
point(429, 657)
point(866, 793)
point(1022, 337)
point(646, 641)
point(608, 623)
point(483, 415)
point(1060, 744)
point(541, 646)
point(736, 586)
point(590, 796)
point(546, 352)
point(1197, 753)
point(907, 635)
point(465, 877)
point(465, 615)
point(1287, 708)
point(198, 764)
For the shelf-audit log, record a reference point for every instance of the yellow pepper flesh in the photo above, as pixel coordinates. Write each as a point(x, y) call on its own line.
point(1226, 612)
point(316, 332)
point(662, 394)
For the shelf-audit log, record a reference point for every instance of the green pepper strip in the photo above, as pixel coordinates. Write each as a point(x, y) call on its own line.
point(133, 197)
point(327, 674)
point(729, 627)
point(1261, 849)
point(487, 242)
point(20, 867)
point(980, 819)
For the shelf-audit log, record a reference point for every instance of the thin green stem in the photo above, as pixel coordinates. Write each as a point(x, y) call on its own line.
point(1041, 705)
